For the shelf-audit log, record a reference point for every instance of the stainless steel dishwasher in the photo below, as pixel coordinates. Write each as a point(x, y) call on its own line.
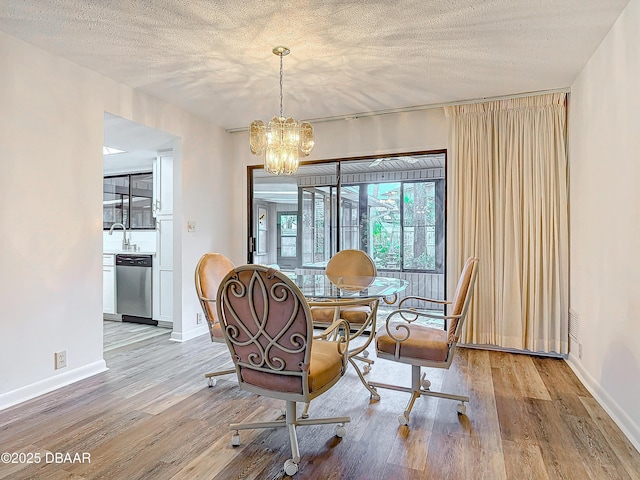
point(133, 288)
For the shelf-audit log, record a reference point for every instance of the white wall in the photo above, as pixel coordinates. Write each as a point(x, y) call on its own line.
point(604, 142)
point(51, 133)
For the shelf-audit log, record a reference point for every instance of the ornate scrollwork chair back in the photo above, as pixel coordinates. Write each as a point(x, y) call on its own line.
point(268, 328)
point(210, 270)
point(267, 332)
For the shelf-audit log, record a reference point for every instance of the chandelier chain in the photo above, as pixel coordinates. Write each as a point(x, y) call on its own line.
point(280, 85)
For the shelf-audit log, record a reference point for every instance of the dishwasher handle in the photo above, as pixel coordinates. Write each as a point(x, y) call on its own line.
point(134, 260)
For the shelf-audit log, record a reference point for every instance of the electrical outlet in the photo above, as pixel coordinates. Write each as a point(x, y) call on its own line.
point(198, 318)
point(61, 359)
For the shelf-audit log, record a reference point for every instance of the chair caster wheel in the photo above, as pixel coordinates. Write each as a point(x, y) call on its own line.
point(365, 354)
point(461, 408)
point(366, 369)
point(212, 382)
point(341, 431)
point(426, 384)
point(235, 439)
point(373, 395)
point(290, 467)
point(403, 419)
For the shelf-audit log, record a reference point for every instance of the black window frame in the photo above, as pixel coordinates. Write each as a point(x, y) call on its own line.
point(439, 185)
point(441, 207)
point(130, 199)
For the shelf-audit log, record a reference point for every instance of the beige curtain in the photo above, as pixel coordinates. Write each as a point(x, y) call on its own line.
point(507, 204)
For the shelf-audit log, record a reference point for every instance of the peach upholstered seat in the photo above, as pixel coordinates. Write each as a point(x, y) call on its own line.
point(424, 343)
point(403, 340)
point(267, 324)
point(210, 270)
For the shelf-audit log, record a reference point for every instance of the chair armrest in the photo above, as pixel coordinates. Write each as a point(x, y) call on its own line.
point(410, 316)
point(334, 330)
point(342, 302)
point(341, 322)
point(423, 299)
point(205, 299)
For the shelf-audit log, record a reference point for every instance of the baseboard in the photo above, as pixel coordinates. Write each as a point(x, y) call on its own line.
point(188, 335)
point(47, 385)
point(617, 414)
point(511, 350)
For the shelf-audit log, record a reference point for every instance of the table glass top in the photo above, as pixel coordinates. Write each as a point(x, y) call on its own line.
point(319, 286)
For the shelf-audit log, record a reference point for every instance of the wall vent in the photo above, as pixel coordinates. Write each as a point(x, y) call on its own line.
point(574, 324)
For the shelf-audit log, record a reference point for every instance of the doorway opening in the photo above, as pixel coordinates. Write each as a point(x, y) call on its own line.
point(137, 226)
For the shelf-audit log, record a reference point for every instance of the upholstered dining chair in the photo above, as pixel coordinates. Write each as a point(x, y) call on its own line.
point(268, 327)
point(210, 270)
point(403, 340)
point(351, 270)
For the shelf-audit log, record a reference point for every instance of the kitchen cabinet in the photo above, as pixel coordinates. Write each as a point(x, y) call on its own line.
point(108, 284)
point(163, 272)
point(163, 263)
point(163, 184)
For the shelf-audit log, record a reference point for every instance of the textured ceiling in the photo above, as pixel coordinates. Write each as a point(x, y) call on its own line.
point(214, 58)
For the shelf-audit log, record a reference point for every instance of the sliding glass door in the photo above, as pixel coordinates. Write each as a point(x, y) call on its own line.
point(391, 207)
point(293, 217)
point(318, 225)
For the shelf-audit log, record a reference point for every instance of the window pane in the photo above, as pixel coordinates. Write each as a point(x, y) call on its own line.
point(128, 199)
point(316, 242)
point(318, 228)
point(115, 200)
point(384, 224)
point(141, 201)
point(350, 226)
point(419, 245)
point(288, 247)
point(307, 227)
point(288, 225)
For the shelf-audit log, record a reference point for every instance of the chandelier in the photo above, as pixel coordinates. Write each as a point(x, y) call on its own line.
point(283, 139)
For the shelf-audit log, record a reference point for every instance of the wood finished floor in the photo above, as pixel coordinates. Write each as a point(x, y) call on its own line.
point(151, 416)
point(120, 334)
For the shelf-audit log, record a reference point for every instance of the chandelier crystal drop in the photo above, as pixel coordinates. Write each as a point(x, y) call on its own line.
point(282, 140)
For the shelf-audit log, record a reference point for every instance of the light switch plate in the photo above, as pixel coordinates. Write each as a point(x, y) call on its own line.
point(191, 226)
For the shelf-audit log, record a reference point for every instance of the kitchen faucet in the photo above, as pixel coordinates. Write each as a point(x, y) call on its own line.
point(125, 240)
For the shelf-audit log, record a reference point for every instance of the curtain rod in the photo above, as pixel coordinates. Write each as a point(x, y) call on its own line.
point(417, 108)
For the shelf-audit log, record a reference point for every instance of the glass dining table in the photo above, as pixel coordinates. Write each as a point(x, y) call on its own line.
point(341, 292)
point(319, 286)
